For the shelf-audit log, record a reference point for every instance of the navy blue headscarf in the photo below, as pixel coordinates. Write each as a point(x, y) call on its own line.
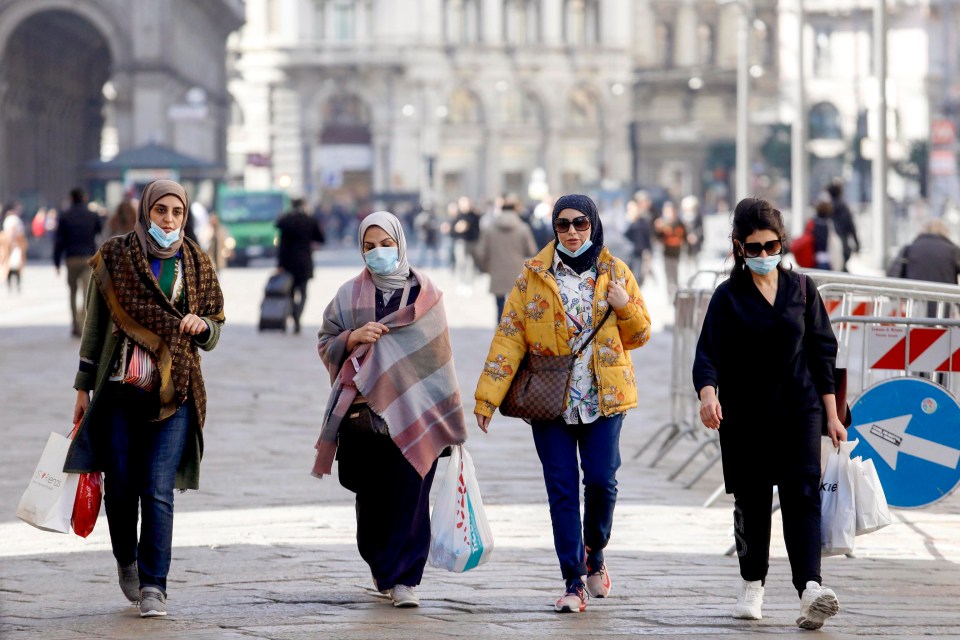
point(586, 206)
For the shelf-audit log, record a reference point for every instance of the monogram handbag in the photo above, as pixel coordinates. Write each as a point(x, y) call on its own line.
point(539, 388)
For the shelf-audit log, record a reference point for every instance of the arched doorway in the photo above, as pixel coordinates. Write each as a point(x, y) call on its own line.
point(55, 65)
point(343, 159)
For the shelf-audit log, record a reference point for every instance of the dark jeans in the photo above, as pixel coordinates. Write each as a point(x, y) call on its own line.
point(140, 470)
point(298, 299)
point(501, 303)
point(599, 444)
point(393, 508)
point(800, 509)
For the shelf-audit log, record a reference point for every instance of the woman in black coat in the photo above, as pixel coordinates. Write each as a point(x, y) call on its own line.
point(767, 351)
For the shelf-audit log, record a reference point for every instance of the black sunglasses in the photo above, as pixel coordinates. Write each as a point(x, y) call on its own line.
point(580, 223)
point(754, 249)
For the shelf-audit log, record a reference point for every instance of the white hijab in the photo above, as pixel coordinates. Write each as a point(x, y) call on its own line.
point(391, 224)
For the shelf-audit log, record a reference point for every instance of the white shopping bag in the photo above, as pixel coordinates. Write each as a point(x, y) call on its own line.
point(461, 538)
point(48, 501)
point(872, 510)
point(838, 512)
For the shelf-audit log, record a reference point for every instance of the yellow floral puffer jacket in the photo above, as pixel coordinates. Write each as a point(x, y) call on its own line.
point(534, 320)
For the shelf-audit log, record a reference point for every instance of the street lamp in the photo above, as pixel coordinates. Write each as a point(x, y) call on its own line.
point(743, 94)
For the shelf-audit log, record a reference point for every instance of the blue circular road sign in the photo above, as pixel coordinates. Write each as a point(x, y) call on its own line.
point(910, 427)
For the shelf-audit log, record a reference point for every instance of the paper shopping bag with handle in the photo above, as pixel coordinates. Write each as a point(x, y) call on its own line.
point(48, 501)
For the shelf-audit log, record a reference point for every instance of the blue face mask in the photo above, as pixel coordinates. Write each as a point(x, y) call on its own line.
point(573, 254)
point(763, 266)
point(382, 260)
point(165, 240)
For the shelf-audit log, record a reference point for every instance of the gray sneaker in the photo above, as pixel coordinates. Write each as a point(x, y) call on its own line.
point(129, 581)
point(152, 603)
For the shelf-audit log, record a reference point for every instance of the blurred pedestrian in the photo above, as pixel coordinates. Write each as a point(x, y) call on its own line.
point(562, 295)
point(692, 221)
point(673, 234)
point(843, 221)
point(123, 220)
point(827, 245)
point(427, 225)
point(774, 406)
point(502, 248)
point(299, 233)
point(932, 256)
point(218, 242)
point(154, 301)
point(465, 235)
point(394, 407)
point(640, 235)
point(13, 249)
point(76, 240)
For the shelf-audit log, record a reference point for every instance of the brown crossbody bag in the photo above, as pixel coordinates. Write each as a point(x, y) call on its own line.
point(539, 388)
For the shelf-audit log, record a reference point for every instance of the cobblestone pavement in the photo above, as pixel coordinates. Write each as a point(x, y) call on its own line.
point(266, 551)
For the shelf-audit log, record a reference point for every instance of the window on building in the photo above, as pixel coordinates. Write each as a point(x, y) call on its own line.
point(346, 120)
point(822, 56)
point(520, 108)
point(706, 50)
point(761, 49)
point(464, 108)
point(825, 122)
point(521, 22)
point(461, 21)
point(344, 20)
point(583, 110)
point(319, 24)
point(665, 44)
point(581, 22)
point(272, 9)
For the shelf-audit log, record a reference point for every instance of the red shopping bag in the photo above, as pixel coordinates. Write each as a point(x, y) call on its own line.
point(86, 508)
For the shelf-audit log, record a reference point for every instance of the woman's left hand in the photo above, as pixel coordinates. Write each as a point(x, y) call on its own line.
point(836, 431)
point(617, 296)
point(192, 325)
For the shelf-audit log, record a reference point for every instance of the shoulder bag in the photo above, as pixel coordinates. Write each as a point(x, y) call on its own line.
point(539, 388)
point(839, 373)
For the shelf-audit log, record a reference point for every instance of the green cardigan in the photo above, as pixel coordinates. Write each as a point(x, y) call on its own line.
point(102, 345)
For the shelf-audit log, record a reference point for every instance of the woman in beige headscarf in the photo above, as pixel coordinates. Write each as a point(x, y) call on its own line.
point(154, 300)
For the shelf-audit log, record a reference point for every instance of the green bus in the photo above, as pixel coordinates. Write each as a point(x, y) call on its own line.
point(249, 217)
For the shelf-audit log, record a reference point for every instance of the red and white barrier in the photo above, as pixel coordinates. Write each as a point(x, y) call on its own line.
point(931, 349)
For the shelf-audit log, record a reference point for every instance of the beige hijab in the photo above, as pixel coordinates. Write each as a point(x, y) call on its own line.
point(151, 194)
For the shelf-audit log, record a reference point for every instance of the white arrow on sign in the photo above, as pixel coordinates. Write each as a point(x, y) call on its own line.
point(889, 438)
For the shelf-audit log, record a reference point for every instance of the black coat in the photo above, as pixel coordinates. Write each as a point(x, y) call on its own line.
point(77, 231)
point(931, 257)
point(298, 232)
point(770, 365)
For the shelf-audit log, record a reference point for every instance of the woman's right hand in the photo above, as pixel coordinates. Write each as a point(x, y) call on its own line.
point(483, 422)
point(80, 408)
point(367, 334)
point(711, 414)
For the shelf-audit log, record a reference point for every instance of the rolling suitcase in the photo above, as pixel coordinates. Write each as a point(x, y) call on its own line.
point(277, 305)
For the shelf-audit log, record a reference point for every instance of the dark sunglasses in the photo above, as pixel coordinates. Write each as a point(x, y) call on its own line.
point(580, 223)
point(754, 249)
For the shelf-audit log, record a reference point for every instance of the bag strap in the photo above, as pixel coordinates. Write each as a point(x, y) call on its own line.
point(593, 332)
point(803, 291)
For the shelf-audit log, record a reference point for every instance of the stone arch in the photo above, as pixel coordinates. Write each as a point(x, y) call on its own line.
point(56, 58)
point(464, 107)
point(584, 108)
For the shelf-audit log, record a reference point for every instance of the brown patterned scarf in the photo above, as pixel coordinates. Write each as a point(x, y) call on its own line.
point(141, 310)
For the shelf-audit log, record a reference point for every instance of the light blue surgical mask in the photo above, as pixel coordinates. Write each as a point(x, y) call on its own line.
point(763, 266)
point(382, 260)
point(165, 240)
point(573, 254)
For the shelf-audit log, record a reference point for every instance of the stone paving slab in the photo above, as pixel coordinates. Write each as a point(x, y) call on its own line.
point(266, 551)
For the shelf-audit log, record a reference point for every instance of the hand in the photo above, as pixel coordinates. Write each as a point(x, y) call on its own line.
point(367, 334)
point(483, 422)
point(836, 431)
point(617, 296)
point(711, 413)
point(192, 325)
point(80, 408)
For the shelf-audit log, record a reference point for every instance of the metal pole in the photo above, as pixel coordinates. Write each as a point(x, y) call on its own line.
point(880, 213)
point(743, 99)
point(798, 136)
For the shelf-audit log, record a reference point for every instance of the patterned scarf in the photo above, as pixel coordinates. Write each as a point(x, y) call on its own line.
point(141, 310)
point(407, 376)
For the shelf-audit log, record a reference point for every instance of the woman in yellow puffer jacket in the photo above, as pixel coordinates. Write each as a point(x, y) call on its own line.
point(557, 300)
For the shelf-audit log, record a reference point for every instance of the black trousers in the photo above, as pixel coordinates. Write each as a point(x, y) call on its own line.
point(800, 508)
point(393, 507)
point(298, 298)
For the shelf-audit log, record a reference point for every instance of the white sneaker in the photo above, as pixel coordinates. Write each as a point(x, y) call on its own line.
point(816, 605)
point(750, 600)
point(404, 596)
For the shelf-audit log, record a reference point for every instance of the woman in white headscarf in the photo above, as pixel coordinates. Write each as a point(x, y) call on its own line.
point(383, 335)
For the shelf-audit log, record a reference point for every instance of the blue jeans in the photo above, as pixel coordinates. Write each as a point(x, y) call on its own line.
point(599, 444)
point(140, 471)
